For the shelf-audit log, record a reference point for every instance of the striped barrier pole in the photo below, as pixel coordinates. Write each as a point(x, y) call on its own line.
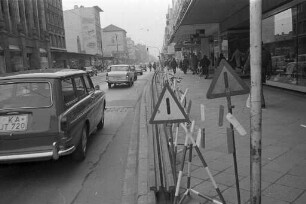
point(177, 190)
point(189, 168)
point(206, 197)
point(205, 165)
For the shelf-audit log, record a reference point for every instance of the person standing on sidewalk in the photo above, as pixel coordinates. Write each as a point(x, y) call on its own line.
point(154, 66)
point(173, 65)
point(266, 64)
point(185, 64)
point(194, 63)
point(204, 64)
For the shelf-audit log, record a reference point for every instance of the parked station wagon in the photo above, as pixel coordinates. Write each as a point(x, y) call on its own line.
point(119, 74)
point(46, 114)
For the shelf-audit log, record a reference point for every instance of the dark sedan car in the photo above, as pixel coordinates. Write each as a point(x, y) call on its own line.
point(45, 114)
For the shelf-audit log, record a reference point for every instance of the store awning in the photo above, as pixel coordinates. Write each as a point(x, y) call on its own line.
point(205, 14)
point(228, 14)
point(207, 11)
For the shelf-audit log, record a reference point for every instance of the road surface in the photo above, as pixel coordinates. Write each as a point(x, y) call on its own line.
point(98, 179)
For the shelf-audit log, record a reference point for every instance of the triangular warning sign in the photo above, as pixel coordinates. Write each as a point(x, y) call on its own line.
point(168, 109)
point(217, 87)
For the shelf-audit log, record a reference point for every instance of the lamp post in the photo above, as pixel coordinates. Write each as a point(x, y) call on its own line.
point(117, 53)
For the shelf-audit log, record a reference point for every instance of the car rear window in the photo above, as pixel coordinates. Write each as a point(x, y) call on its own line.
point(25, 95)
point(119, 68)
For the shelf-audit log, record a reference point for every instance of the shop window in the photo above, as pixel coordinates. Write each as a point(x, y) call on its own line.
point(279, 34)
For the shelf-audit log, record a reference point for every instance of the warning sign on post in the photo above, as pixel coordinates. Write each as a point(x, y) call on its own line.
point(235, 84)
point(168, 109)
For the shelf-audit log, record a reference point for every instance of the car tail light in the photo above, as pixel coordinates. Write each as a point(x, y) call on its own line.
point(63, 126)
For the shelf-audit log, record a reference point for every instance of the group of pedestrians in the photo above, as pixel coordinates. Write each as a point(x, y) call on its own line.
point(152, 66)
point(193, 64)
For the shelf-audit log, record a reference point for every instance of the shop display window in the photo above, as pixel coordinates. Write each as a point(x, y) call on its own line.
point(284, 35)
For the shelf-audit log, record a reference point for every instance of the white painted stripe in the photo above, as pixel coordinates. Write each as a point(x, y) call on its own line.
point(236, 124)
point(176, 135)
point(183, 97)
point(178, 183)
point(195, 192)
point(198, 142)
point(211, 177)
point(188, 169)
point(192, 126)
point(202, 112)
point(303, 125)
point(217, 202)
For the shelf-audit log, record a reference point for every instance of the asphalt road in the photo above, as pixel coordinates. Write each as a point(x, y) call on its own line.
point(98, 179)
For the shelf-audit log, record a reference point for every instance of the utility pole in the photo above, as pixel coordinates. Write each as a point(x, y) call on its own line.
point(256, 89)
point(117, 53)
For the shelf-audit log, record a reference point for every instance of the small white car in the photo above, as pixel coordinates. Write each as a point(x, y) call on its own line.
point(119, 74)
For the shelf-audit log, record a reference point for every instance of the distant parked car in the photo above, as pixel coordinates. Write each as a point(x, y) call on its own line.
point(138, 69)
point(133, 69)
point(91, 70)
point(143, 67)
point(46, 114)
point(119, 74)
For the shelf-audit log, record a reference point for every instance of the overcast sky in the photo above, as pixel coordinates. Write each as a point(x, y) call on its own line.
point(143, 20)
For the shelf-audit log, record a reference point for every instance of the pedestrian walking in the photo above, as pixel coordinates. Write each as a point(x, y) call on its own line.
point(237, 58)
point(204, 64)
point(150, 66)
point(173, 65)
point(185, 64)
point(154, 66)
point(221, 56)
point(266, 66)
point(194, 63)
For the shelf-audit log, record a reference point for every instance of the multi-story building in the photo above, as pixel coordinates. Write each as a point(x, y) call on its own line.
point(83, 30)
point(115, 43)
point(30, 30)
point(131, 50)
point(83, 37)
point(226, 26)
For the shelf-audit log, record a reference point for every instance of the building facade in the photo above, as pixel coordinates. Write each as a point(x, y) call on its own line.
point(115, 43)
point(83, 30)
point(226, 30)
point(131, 51)
point(28, 34)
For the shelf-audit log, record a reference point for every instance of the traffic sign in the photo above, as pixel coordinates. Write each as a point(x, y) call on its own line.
point(217, 87)
point(168, 109)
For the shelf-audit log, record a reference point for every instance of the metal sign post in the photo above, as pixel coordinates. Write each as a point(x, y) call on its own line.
point(229, 106)
point(256, 88)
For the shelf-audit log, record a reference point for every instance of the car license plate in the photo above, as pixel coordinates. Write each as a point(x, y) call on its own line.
point(13, 123)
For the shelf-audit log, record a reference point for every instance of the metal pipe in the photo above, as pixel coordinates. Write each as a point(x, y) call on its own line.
point(256, 89)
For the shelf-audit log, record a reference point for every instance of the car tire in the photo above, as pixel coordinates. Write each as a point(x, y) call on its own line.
point(109, 85)
point(141, 73)
point(80, 152)
point(101, 123)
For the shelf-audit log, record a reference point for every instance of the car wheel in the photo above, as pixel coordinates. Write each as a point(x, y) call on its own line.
point(80, 152)
point(141, 73)
point(109, 85)
point(101, 123)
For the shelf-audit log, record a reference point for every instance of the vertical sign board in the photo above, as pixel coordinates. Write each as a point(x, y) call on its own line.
point(168, 109)
point(236, 85)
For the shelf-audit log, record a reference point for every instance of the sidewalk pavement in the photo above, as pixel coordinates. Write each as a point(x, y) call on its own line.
point(283, 145)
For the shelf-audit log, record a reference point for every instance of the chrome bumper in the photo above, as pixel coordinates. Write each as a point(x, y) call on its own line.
point(55, 153)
